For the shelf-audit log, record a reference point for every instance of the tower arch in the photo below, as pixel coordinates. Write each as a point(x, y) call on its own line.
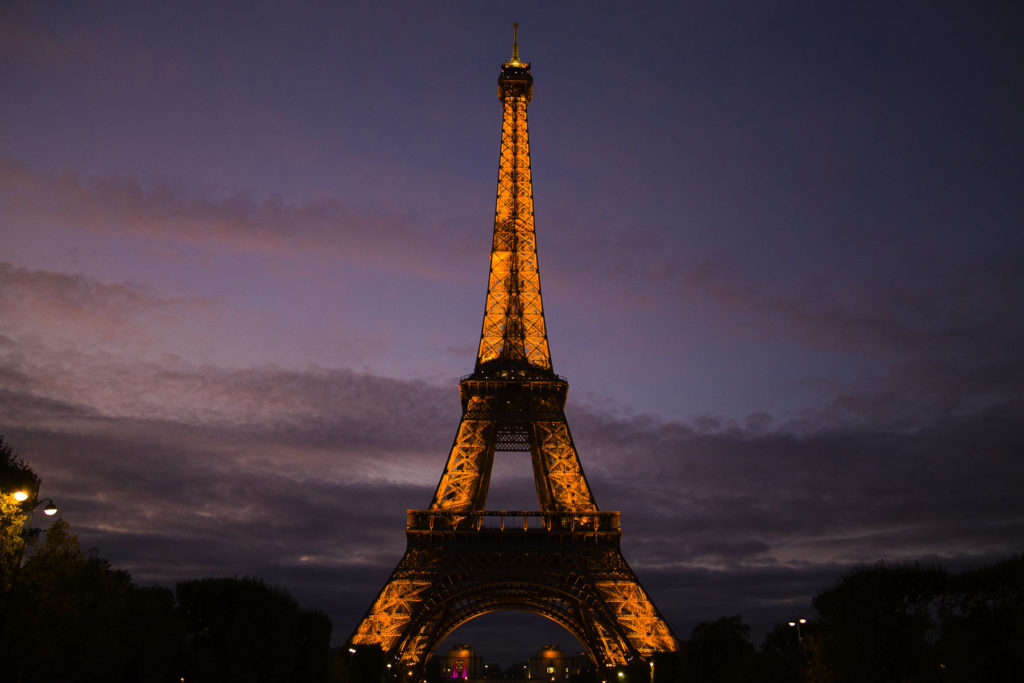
point(572, 611)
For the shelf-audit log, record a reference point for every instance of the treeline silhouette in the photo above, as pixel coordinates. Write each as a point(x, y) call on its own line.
point(72, 617)
point(885, 623)
point(67, 615)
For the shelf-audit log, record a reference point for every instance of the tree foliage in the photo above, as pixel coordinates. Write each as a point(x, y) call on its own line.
point(15, 475)
point(877, 624)
point(982, 621)
point(908, 623)
point(718, 651)
point(243, 630)
point(73, 617)
point(368, 664)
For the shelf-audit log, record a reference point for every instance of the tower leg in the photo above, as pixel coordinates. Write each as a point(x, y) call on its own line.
point(577, 578)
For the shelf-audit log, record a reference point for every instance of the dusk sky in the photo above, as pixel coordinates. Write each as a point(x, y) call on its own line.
point(244, 253)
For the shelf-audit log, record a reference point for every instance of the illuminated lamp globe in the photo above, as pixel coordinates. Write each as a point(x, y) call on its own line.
point(20, 496)
point(50, 510)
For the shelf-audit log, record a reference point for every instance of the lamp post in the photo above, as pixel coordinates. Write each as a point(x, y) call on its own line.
point(50, 510)
point(799, 637)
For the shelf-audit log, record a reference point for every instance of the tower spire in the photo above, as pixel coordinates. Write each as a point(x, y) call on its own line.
point(513, 335)
point(515, 45)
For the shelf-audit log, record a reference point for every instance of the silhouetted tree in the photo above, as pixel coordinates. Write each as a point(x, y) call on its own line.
point(720, 651)
point(156, 636)
point(669, 667)
point(15, 475)
point(782, 655)
point(982, 617)
point(877, 625)
point(240, 630)
point(368, 664)
point(73, 617)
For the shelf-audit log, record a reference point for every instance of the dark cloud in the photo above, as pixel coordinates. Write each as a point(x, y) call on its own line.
point(155, 207)
point(305, 480)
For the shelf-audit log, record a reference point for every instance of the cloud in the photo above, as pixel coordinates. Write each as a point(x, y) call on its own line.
point(879, 312)
point(72, 311)
point(159, 209)
point(838, 494)
point(302, 476)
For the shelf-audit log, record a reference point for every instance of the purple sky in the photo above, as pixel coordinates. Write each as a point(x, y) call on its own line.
point(244, 260)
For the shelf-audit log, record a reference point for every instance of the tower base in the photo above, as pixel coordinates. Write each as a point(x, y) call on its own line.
point(567, 567)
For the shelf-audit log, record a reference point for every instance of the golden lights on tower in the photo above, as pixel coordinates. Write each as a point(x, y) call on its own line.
point(563, 561)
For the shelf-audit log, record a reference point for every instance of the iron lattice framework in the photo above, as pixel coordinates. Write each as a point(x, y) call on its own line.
point(564, 561)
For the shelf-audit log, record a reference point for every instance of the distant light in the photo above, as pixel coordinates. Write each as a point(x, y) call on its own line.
point(621, 675)
point(20, 496)
point(50, 510)
point(352, 650)
point(803, 621)
point(792, 623)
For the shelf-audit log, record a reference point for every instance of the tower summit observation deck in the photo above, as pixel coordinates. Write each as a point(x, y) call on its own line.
point(562, 561)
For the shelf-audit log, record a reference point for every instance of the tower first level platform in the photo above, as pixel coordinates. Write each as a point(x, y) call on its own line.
point(567, 567)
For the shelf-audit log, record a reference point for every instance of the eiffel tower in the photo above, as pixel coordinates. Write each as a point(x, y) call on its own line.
point(563, 561)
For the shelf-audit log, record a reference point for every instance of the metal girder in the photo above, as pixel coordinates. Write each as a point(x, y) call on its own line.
point(637, 616)
point(532, 410)
point(464, 481)
point(513, 329)
point(444, 581)
point(571, 573)
point(561, 483)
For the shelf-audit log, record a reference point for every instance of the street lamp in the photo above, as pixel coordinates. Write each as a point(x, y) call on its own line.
point(50, 510)
point(799, 637)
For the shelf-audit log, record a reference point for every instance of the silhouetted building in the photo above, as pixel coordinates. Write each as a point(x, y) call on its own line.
point(552, 664)
point(461, 664)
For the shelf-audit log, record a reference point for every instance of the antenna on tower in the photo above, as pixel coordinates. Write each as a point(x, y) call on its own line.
point(515, 44)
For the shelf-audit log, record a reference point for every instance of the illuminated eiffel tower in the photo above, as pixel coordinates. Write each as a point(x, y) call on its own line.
point(562, 561)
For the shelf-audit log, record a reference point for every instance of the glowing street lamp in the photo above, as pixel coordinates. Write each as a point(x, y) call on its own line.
point(50, 510)
point(799, 637)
